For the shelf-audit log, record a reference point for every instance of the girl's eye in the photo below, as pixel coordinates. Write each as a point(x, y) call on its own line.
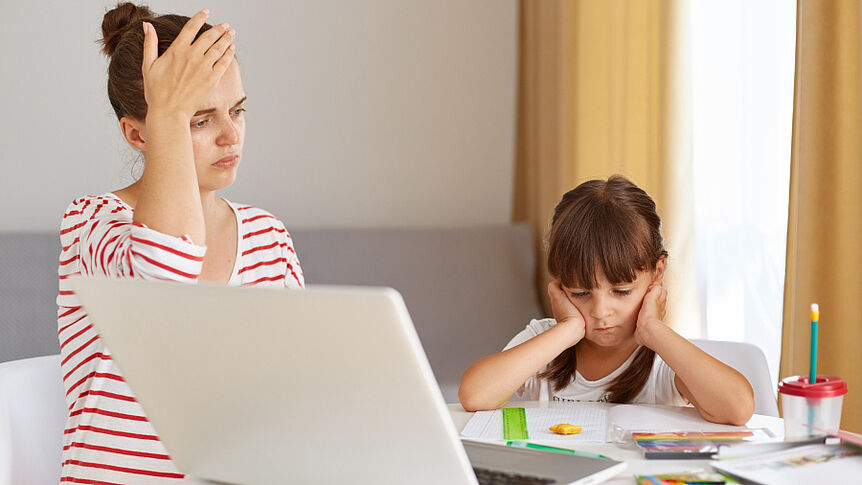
point(580, 294)
point(623, 292)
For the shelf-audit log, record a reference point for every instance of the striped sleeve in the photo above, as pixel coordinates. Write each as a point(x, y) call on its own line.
point(294, 277)
point(266, 253)
point(108, 439)
point(99, 237)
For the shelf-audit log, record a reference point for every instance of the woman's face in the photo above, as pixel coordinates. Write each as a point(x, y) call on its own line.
point(218, 132)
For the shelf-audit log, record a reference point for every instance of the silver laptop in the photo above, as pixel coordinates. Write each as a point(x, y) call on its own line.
point(271, 386)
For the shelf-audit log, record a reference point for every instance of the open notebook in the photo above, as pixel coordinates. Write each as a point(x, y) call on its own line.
point(600, 422)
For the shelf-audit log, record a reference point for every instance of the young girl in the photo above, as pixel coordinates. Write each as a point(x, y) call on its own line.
point(175, 86)
point(607, 340)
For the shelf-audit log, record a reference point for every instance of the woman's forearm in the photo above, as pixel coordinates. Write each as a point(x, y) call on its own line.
point(169, 200)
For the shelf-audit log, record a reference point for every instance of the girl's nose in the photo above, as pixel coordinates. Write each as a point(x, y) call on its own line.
point(601, 307)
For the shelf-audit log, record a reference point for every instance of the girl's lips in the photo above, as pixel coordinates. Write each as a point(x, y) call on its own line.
point(227, 162)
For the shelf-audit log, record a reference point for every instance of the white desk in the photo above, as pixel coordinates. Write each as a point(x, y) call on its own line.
point(637, 465)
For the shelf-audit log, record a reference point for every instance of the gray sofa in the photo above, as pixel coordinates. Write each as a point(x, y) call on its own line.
point(468, 290)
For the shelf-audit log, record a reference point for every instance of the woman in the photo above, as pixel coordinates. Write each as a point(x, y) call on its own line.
point(176, 88)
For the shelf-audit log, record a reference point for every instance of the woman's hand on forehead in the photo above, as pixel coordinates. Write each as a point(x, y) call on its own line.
point(185, 75)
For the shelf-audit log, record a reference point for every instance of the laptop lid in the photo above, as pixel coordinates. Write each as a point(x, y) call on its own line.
point(264, 385)
point(259, 385)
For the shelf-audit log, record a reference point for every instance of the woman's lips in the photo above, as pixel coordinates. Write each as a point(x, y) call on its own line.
point(227, 162)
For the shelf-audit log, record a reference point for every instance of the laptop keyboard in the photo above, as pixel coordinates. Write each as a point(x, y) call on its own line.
point(496, 477)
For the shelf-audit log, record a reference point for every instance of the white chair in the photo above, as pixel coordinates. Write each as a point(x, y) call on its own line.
point(749, 360)
point(32, 418)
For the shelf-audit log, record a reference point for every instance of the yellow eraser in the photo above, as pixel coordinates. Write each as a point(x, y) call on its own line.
point(565, 428)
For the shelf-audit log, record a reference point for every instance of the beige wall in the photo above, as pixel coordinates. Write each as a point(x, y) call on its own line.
point(361, 113)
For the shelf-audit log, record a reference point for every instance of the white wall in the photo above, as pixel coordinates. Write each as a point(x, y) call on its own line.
point(360, 113)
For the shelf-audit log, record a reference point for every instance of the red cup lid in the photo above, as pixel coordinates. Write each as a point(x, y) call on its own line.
point(826, 386)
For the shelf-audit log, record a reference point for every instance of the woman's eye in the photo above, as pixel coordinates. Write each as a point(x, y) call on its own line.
point(200, 124)
point(238, 111)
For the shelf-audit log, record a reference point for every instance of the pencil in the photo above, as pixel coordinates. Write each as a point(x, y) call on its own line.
point(812, 367)
point(527, 444)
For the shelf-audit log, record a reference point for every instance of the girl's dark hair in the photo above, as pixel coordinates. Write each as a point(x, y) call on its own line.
point(123, 41)
point(608, 226)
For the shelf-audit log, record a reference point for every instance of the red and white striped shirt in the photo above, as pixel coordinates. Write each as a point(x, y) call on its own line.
point(108, 440)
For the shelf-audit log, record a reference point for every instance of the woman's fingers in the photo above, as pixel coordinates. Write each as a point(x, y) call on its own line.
point(224, 62)
point(210, 37)
point(190, 30)
point(151, 47)
point(217, 50)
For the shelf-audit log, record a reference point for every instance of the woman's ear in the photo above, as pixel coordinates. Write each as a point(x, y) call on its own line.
point(658, 272)
point(133, 131)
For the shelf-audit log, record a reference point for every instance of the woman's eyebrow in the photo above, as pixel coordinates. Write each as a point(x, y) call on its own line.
point(210, 110)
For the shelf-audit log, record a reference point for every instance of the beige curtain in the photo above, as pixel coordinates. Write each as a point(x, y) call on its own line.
point(604, 89)
point(824, 239)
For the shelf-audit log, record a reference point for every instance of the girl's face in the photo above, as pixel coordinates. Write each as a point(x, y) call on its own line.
point(218, 132)
point(611, 311)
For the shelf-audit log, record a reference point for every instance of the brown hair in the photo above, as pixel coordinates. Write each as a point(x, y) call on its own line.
point(610, 226)
point(123, 41)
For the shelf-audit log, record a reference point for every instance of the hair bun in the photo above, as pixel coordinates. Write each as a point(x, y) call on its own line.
point(118, 20)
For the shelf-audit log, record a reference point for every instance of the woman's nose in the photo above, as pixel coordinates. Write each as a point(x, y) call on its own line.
point(229, 134)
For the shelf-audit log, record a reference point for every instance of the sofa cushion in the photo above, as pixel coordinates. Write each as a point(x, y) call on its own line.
point(468, 290)
point(28, 293)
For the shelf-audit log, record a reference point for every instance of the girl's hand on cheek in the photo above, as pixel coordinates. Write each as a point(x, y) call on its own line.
point(566, 313)
point(651, 314)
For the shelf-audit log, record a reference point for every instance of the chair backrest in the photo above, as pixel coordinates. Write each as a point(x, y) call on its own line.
point(749, 360)
point(32, 419)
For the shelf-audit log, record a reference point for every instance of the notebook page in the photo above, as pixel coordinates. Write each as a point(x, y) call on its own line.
point(488, 425)
point(662, 418)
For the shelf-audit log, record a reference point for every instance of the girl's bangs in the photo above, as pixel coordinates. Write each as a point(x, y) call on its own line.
point(611, 245)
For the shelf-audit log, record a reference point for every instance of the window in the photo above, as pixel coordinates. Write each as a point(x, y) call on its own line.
point(742, 93)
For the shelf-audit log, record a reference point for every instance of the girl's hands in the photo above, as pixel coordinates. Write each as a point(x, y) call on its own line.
point(185, 75)
point(651, 314)
point(565, 313)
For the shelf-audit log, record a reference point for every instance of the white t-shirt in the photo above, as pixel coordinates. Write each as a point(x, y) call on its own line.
point(659, 388)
